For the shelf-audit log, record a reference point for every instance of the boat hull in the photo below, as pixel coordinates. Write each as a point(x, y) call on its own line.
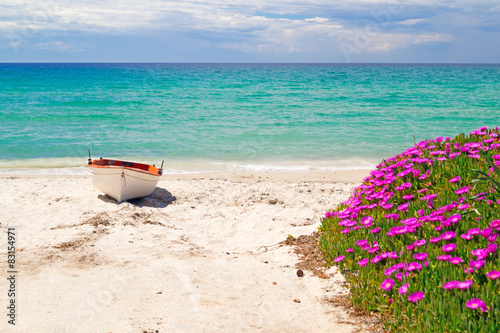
point(123, 182)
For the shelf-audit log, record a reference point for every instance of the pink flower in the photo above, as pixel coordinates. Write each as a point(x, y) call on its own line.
point(404, 207)
point(492, 237)
point(391, 255)
point(492, 248)
point(480, 253)
point(474, 231)
point(454, 218)
point(420, 242)
point(400, 276)
point(435, 239)
point(401, 265)
point(486, 232)
point(455, 179)
point(349, 223)
point(455, 260)
point(328, 214)
point(403, 289)
point(466, 236)
point(465, 284)
point(476, 303)
point(462, 190)
point(448, 235)
point(386, 206)
point(349, 250)
point(387, 284)
point(413, 266)
point(416, 296)
point(420, 256)
point(375, 230)
point(363, 262)
point(450, 285)
point(443, 257)
point(449, 247)
point(495, 223)
point(398, 230)
point(429, 197)
point(493, 275)
point(361, 242)
point(339, 258)
point(463, 206)
point(476, 264)
point(367, 220)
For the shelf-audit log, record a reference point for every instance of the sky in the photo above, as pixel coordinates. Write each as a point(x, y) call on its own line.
point(328, 31)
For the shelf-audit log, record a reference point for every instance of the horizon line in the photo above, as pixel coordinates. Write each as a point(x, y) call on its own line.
point(252, 62)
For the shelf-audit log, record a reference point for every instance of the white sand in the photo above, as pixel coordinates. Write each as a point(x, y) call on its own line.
point(199, 255)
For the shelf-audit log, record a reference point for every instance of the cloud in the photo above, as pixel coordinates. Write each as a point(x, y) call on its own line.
point(53, 46)
point(432, 38)
point(411, 21)
point(131, 16)
point(317, 19)
point(258, 26)
point(265, 35)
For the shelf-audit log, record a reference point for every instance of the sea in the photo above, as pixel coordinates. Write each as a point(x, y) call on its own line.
point(226, 117)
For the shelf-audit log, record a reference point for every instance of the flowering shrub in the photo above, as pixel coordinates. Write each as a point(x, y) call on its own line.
point(418, 239)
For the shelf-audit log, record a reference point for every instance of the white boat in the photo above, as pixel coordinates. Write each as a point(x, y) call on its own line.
point(124, 180)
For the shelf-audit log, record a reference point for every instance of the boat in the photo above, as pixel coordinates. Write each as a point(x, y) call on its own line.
point(123, 180)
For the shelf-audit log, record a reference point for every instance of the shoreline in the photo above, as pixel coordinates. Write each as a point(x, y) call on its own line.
point(335, 176)
point(78, 166)
point(199, 254)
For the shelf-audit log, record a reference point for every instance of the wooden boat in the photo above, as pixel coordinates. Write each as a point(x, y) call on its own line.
point(124, 180)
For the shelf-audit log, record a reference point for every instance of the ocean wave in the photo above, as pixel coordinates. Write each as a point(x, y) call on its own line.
point(77, 166)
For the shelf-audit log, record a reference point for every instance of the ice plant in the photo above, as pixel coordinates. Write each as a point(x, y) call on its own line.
point(464, 284)
point(448, 235)
point(339, 258)
point(416, 296)
point(449, 247)
point(493, 275)
point(363, 262)
point(450, 285)
point(477, 264)
point(420, 256)
point(403, 289)
point(476, 303)
point(421, 224)
point(387, 284)
point(455, 260)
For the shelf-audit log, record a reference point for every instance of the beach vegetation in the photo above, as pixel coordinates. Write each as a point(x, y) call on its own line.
point(417, 241)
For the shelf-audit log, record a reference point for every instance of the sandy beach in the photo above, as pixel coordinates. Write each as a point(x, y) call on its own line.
point(201, 254)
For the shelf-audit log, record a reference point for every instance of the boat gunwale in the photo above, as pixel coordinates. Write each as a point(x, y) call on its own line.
point(95, 164)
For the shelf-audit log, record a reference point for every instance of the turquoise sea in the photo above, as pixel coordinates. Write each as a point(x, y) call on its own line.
point(207, 117)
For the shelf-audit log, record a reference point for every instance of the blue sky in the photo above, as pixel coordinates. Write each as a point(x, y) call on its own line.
point(425, 31)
